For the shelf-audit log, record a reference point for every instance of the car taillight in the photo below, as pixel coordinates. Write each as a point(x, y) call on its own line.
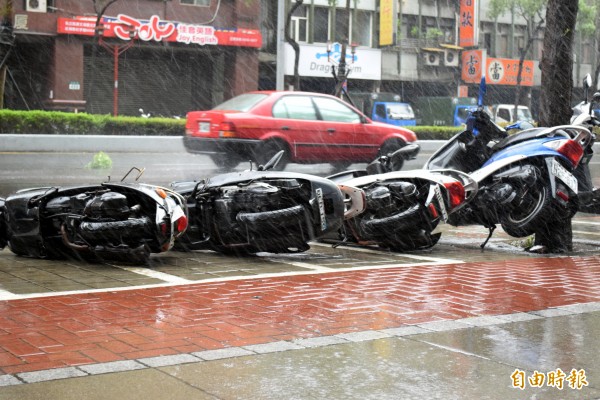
point(568, 148)
point(456, 193)
point(227, 129)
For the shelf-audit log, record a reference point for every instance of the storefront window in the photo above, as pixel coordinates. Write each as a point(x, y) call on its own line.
point(361, 28)
point(321, 25)
point(341, 26)
point(299, 23)
point(196, 2)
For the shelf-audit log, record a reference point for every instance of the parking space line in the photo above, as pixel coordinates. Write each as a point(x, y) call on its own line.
point(176, 281)
point(6, 295)
point(585, 222)
point(587, 233)
point(403, 255)
point(155, 274)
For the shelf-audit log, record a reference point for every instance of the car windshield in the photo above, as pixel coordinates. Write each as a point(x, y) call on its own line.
point(523, 114)
point(401, 111)
point(464, 111)
point(243, 102)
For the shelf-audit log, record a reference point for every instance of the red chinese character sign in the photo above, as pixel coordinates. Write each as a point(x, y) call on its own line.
point(497, 71)
point(155, 29)
point(473, 62)
point(503, 71)
point(469, 23)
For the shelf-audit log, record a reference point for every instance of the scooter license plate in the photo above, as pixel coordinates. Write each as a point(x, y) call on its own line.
point(442, 205)
point(561, 173)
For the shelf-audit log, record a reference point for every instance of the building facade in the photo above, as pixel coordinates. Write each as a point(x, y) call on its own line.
point(171, 56)
point(163, 56)
point(425, 56)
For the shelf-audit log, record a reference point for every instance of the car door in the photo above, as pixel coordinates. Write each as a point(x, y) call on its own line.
point(296, 118)
point(340, 127)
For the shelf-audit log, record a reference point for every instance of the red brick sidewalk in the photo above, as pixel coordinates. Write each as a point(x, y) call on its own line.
point(59, 331)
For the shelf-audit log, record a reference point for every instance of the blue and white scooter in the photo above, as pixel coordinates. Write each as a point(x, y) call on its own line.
point(525, 180)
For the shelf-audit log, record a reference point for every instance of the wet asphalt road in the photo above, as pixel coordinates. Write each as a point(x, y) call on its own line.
point(35, 169)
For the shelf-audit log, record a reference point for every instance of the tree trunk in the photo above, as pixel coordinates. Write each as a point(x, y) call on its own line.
point(557, 63)
point(555, 102)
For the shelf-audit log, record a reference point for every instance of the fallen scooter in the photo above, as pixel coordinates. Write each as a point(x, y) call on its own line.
point(117, 221)
point(525, 180)
point(403, 208)
point(262, 210)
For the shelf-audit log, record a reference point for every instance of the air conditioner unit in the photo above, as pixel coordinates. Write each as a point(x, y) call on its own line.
point(36, 6)
point(431, 59)
point(451, 58)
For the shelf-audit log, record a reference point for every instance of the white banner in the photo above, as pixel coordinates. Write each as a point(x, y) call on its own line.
point(366, 63)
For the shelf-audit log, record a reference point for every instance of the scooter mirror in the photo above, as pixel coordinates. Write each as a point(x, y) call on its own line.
point(272, 162)
point(587, 84)
point(587, 81)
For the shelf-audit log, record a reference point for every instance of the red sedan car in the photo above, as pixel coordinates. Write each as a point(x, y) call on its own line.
point(310, 127)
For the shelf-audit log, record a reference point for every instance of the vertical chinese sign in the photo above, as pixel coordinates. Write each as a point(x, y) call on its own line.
point(469, 23)
point(387, 23)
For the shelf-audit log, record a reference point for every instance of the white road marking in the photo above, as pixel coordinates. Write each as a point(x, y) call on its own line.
point(402, 255)
point(579, 222)
point(155, 274)
point(172, 280)
point(587, 233)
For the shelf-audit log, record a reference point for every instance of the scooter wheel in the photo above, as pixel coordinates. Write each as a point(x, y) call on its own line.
point(536, 208)
point(409, 241)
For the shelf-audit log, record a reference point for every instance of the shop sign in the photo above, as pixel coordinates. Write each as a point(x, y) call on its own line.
point(469, 23)
point(364, 64)
point(159, 30)
point(473, 62)
point(387, 17)
point(504, 71)
point(497, 71)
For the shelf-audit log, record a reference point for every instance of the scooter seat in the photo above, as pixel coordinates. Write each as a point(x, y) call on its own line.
point(522, 136)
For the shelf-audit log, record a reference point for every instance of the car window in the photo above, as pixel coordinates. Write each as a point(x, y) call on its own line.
point(295, 107)
point(243, 102)
point(524, 114)
point(400, 111)
point(504, 114)
point(333, 110)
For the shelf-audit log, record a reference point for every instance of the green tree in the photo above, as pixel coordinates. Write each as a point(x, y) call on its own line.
point(584, 31)
point(532, 12)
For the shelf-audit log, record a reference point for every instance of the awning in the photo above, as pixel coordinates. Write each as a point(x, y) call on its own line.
point(451, 46)
point(432, 49)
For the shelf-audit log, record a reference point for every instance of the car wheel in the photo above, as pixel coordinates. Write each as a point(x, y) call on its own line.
point(268, 149)
point(388, 148)
point(225, 161)
point(341, 165)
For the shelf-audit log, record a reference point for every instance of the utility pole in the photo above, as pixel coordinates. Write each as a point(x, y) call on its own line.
point(7, 41)
point(342, 72)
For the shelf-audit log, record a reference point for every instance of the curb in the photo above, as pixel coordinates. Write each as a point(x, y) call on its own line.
point(90, 143)
point(115, 143)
